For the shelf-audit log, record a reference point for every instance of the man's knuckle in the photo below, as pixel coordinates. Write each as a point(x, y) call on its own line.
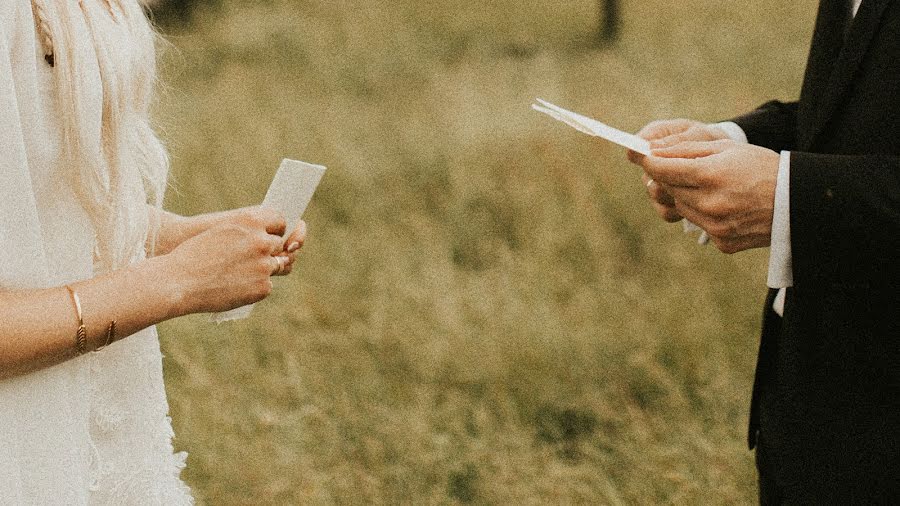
point(724, 228)
point(721, 244)
point(715, 207)
point(724, 244)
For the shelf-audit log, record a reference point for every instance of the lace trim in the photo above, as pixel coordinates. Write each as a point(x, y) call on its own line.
point(128, 403)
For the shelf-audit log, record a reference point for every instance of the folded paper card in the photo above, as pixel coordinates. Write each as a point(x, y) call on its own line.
point(593, 127)
point(596, 128)
point(289, 194)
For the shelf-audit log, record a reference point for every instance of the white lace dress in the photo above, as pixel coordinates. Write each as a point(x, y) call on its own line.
point(93, 430)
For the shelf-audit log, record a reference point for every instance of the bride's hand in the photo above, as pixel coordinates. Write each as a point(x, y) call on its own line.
point(247, 216)
point(230, 265)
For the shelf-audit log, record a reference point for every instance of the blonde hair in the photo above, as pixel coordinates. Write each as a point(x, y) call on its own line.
point(122, 167)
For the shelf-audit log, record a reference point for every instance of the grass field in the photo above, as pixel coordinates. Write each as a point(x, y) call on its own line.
point(487, 310)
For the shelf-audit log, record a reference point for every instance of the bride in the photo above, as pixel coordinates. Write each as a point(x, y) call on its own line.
point(89, 262)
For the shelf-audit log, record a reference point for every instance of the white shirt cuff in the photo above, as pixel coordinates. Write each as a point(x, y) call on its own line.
point(733, 131)
point(780, 272)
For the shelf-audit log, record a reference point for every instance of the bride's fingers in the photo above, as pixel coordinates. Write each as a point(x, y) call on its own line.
point(295, 241)
point(277, 266)
point(286, 264)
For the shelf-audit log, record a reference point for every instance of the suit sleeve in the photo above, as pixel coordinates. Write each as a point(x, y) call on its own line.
point(773, 125)
point(845, 219)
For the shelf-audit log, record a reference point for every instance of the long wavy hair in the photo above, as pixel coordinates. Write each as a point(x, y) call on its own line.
point(122, 168)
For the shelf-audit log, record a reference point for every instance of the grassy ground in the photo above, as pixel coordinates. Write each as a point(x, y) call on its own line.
point(487, 311)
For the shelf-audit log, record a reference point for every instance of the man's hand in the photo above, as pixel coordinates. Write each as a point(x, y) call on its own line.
point(726, 188)
point(664, 133)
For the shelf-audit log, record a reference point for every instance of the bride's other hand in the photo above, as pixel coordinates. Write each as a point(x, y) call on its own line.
point(248, 217)
point(175, 229)
point(231, 264)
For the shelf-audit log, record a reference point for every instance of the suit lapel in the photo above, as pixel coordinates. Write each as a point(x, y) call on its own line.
point(843, 70)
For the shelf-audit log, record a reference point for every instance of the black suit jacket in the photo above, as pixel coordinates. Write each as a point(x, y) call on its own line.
point(826, 399)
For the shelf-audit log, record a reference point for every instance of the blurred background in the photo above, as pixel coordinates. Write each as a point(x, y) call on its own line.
point(487, 310)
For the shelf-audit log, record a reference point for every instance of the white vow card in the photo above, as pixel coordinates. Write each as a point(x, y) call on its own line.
point(593, 127)
point(290, 192)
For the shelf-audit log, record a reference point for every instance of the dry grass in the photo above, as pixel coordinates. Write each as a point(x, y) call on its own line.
point(487, 311)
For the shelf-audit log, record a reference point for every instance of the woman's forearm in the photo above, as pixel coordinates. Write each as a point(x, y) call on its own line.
point(38, 327)
point(215, 262)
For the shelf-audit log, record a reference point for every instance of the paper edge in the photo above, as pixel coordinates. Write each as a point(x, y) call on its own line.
point(244, 312)
point(548, 107)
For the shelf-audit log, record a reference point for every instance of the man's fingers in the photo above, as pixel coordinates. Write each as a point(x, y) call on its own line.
point(674, 171)
point(667, 213)
point(693, 149)
point(635, 157)
point(691, 214)
point(664, 128)
point(656, 192)
point(696, 133)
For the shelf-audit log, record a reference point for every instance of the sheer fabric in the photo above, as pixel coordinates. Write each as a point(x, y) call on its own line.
point(93, 430)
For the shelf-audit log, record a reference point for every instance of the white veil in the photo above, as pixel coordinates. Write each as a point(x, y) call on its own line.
point(47, 409)
point(51, 444)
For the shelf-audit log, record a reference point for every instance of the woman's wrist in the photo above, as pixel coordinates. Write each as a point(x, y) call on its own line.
point(171, 284)
point(170, 232)
point(175, 229)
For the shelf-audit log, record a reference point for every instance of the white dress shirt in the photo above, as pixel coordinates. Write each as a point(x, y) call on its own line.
point(781, 273)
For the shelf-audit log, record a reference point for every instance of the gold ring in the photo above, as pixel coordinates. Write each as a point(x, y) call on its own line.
point(650, 182)
point(280, 268)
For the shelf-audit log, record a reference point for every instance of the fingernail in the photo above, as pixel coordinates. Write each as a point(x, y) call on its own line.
point(294, 246)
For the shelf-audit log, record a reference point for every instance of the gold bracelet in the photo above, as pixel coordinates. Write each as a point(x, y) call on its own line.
point(81, 334)
point(110, 333)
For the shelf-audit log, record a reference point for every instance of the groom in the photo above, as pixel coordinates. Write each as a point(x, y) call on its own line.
point(819, 181)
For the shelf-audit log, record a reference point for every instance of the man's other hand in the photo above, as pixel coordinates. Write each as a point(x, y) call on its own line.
point(663, 133)
point(726, 188)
